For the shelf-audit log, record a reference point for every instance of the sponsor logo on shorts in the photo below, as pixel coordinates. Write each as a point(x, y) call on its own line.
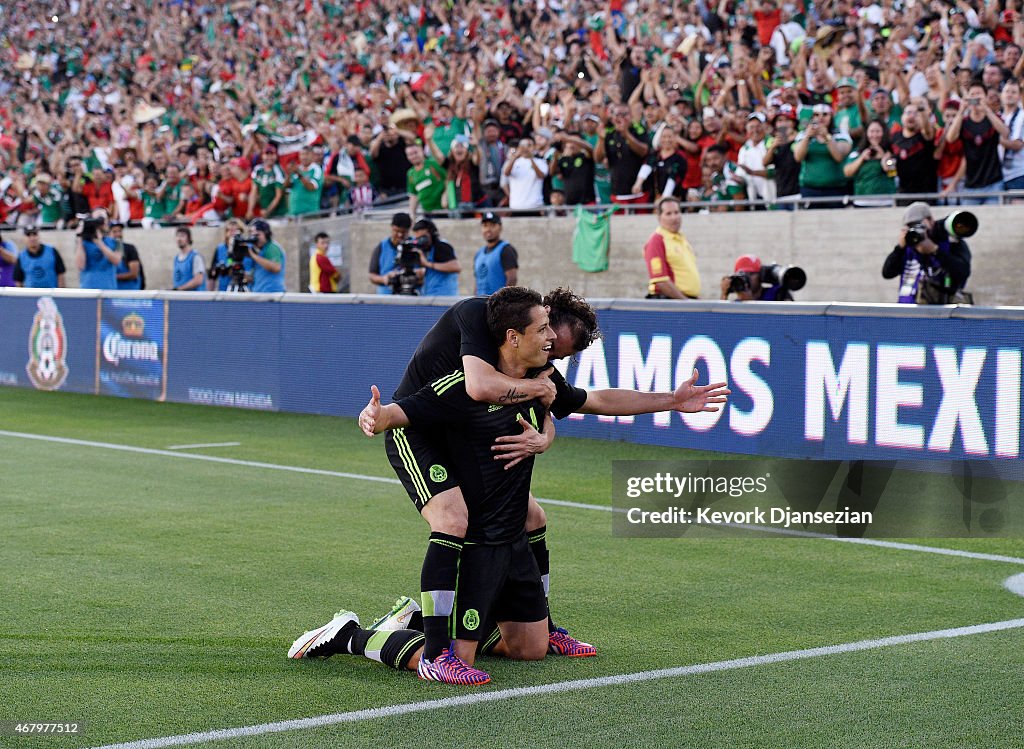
point(438, 473)
point(494, 407)
point(471, 619)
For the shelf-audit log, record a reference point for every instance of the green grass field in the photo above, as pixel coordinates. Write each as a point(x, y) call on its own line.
point(152, 595)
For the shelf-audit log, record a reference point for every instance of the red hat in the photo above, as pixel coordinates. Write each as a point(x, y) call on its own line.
point(748, 264)
point(241, 162)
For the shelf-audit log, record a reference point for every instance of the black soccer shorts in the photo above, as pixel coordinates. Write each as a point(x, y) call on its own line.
point(497, 584)
point(421, 461)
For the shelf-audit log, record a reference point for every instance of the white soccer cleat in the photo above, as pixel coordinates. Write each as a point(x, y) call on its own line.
point(317, 642)
point(398, 618)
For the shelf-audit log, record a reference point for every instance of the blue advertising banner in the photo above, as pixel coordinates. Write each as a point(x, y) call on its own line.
point(48, 343)
point(858, 383)
point(133, 348)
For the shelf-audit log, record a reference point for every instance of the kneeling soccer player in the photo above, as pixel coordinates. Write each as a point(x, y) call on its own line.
point(500, 577)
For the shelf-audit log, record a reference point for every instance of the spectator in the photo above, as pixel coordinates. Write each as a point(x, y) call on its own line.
point(425, 182)
point(821, 153)
point(950, 166)
point(914, 148)
point(268, 273)
point(872, 167)
point(266, 198)
point(492, 159)
point(779, 156)
point(850, 112)
point(462, 173)
point(933, 266)
point(980, 129)
point(189, 269)
point(383, 266)
point(1012, 144)
point(305, 181)
point(625, 146)
point(388, 150)
point(323, 276)
point(665, 170)
point(750, 162)
point(525, 172)
point(125, 194)
point(39, 265)
point(128, 273)
point(362, 195)
point(48, 198)
point(97, 262)
point(575, 170)
point(8, 258)
point(496, 264)
point(442, 267)
point(671, 264)
point(224, 273)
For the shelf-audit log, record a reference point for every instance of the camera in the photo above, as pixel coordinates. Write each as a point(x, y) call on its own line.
point(957, 225)
point(916, 233)
point(788, 277)
point(235, 268)
point(408, 259)
point(739, 282)
point(90, 226)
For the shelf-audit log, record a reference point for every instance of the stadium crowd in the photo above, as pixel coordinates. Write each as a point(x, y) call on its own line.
point(182, 111)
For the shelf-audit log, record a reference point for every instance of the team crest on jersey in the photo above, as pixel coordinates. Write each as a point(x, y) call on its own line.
point(438, 473)
point(471, 619)
point(47, 347)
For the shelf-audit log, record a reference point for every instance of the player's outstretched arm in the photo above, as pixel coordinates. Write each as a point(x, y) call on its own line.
point(374, 418)
point(689, 397)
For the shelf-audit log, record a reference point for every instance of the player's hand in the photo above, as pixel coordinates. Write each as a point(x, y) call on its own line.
point(547, 396)
point(517, 447)
point(371, 413)
point(692, 398)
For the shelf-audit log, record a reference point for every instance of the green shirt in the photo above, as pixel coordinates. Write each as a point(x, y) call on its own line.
point(871, 179)
point(268, 181)
point(443, 136)
point(851, 117)
point(153, 208)
point(302, 200)
point(427, 184)
point(49, 202)
point(172, 196)
point(818, 169)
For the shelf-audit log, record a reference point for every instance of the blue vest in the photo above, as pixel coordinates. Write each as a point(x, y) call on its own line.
point(223, 257)
point(183, 271)
point(263, 281)
point(133, 285)
point(490, 276)
point(436, 283)
point(386, 264)
point(98, 273)
point(40, 270)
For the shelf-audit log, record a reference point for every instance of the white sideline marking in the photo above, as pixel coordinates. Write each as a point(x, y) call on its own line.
point(563, 686)
point(557, 502)
point(203, 444)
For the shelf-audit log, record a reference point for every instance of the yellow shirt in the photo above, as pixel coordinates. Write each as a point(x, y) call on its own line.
point(670, 258)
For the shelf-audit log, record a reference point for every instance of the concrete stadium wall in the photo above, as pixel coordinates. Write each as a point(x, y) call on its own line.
point(841, 250)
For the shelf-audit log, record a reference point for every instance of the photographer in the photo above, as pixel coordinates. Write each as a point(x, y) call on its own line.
point(525, 172)
point(129, 271)
point(268, 274)
point(752, 282)
point(97, 263)
point(933, 262)
point(438, 257)
point(224, 271)
point(384, 270)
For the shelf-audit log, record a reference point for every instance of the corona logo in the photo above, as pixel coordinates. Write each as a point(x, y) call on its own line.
point(47, 347)
point(133, 326)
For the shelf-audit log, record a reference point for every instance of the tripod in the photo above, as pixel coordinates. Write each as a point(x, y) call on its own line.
point(237, 282)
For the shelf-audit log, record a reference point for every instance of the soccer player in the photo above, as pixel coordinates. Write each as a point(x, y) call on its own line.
point(420, 456)
point(500, 580)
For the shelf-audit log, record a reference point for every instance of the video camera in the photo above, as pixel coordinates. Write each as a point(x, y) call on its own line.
point(959, 224)
point(90, 225)
point(235, 267)
point(408, 259)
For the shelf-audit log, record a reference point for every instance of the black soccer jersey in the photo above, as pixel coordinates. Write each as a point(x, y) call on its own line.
point(497, 498)
point(461, 331)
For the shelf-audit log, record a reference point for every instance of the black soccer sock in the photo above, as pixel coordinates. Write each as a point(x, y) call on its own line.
point(539, 547)
point(437, 590)
point(392, 648)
